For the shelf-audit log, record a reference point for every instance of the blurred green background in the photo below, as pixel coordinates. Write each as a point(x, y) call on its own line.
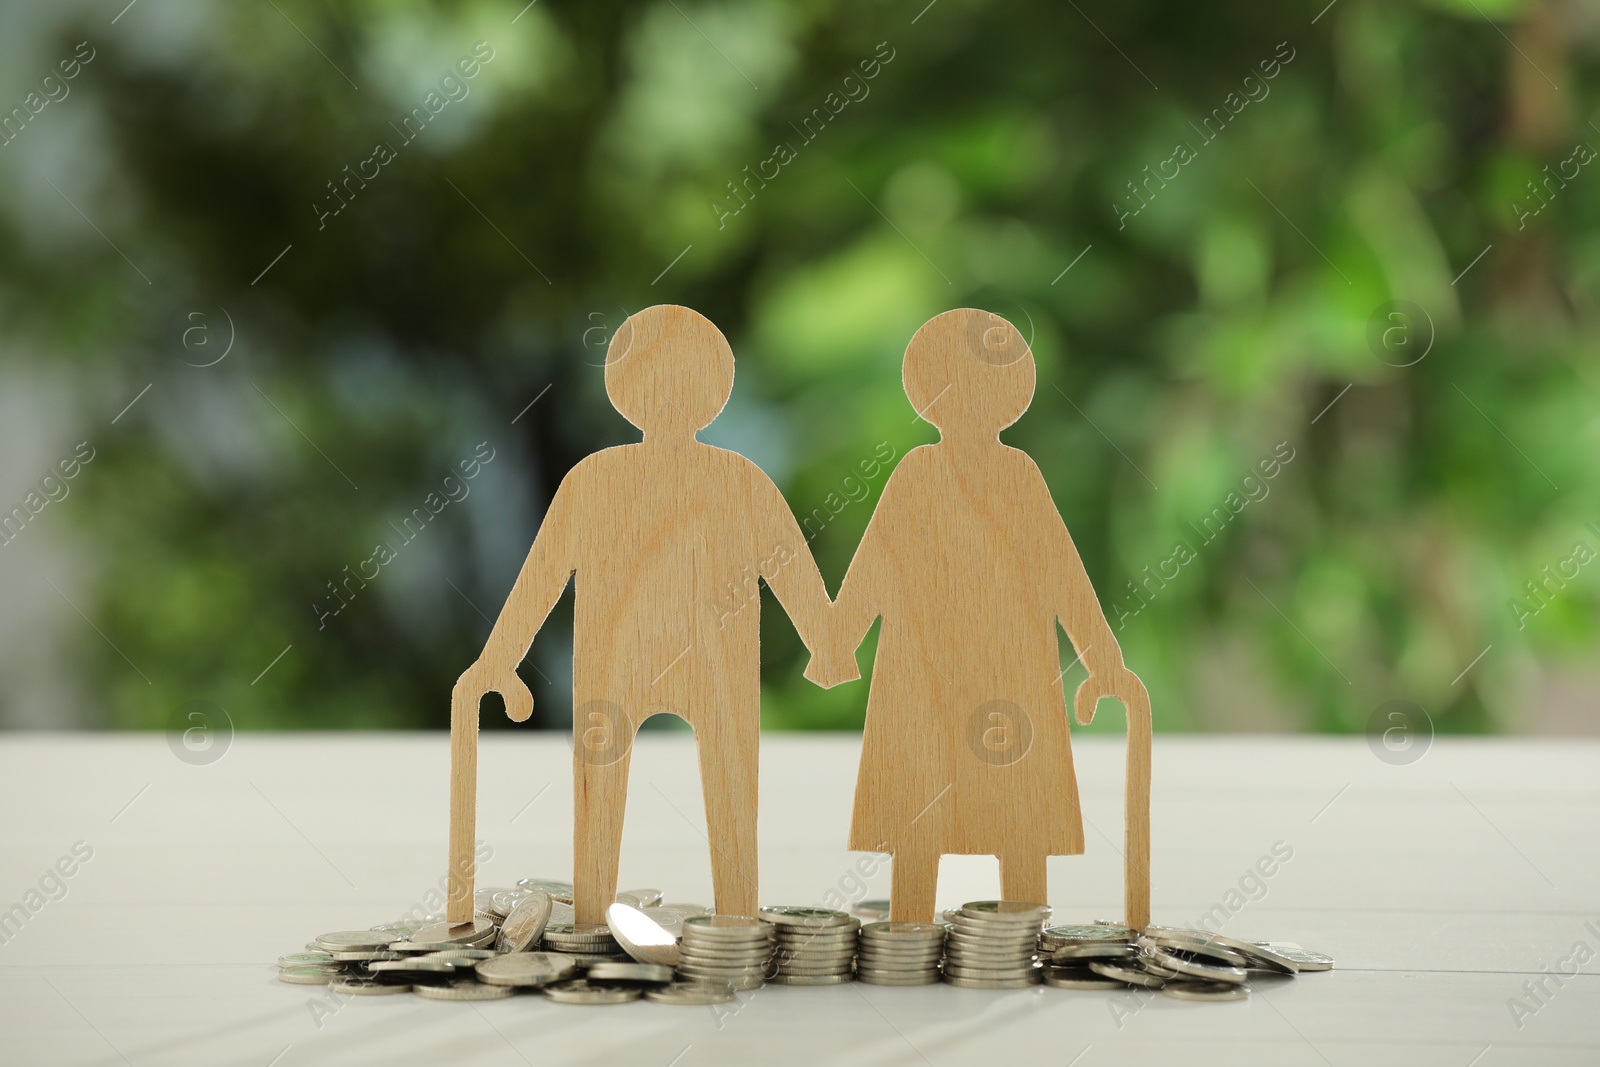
point(278, 268)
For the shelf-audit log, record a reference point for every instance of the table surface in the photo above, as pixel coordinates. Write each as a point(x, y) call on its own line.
point(1443, 888)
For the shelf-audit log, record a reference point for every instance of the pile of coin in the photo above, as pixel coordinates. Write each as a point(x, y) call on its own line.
point(812, 946)
point(992, 944)
point(731, 948)
point(494, 956)
point(523, 938)
point(900, 953)
point(1181, 963)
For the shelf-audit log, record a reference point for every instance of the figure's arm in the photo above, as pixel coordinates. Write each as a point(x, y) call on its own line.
point(854, 610)
point(538, 586)
point(797, 583)
point(856, 607)
point(1079, 611)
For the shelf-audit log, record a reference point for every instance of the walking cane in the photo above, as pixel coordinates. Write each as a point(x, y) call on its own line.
point(464, 805)
point(1136, 846)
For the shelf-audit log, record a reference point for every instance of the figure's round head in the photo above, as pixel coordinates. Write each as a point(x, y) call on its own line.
point(969, 372)
point(669, 370)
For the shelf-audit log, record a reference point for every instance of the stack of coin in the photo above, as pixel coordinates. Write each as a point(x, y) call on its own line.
point(812, 946)
point(732, 948)
point(586, 942)
point(991, 944)
point(900, 953)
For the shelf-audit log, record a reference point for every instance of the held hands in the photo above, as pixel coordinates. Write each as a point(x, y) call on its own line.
point(1109, 681)
point(483, 677)
point(832, 664)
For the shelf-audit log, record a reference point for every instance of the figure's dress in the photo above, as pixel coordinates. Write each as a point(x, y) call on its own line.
point(948, 729)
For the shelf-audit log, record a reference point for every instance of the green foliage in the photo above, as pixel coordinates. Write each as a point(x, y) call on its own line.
point(598, 164)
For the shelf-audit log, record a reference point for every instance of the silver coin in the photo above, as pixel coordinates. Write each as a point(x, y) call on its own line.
point(525, 968)
point(407, 948)
point(1245, 953)
point(413, 965)
point(469, 955)
point(640, 898)
point(1006, 911)
point(557, 889)
point(305, 959)
point(308, 974)
point(1302, 958)
point(990, 983)
point(455, 935)
point(1206, 991)
point(931, 978)
point(354, 941)
point(1192, 968)
point(1127, 974)
point(1149, 966)
point(988, 972)
point(579, 991)
point(803, 943)
point(401, 927)
point(908, 948)
point(483, 899)
point(870, 910)
point(463, 989)
point(978, 928)
point(721, 970)
point(629, 972)
point(1062, 935)
point(1094, 950)
point(874, 952)
point(367, 987)
point(686, 908)
point(744, 963)
point(589, 959)
point(811, 979)
point(640, 936)
point(1196, 942)
point(364, 957)
point(1076, 979)
point(991, 964)
point(792, 915)
point(895, 931)
point(815, 955)
point(526, 921)
point(959, 938)
point(814, 968)
point(501, 901)
point(725, 927)
point(595, 933)
point(1016, 952)
point(876, 971)
point(695, 993)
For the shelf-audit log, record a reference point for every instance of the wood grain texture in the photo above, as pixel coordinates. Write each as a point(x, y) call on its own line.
point(665, 542)
point(966, 560)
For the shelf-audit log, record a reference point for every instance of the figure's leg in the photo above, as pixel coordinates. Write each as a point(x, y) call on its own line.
point(1023, 878)
point(729, 751)
point(913, 880)
point(602, 741)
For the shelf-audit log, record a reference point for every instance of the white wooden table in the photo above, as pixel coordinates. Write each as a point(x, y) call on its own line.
point(1441, 888)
